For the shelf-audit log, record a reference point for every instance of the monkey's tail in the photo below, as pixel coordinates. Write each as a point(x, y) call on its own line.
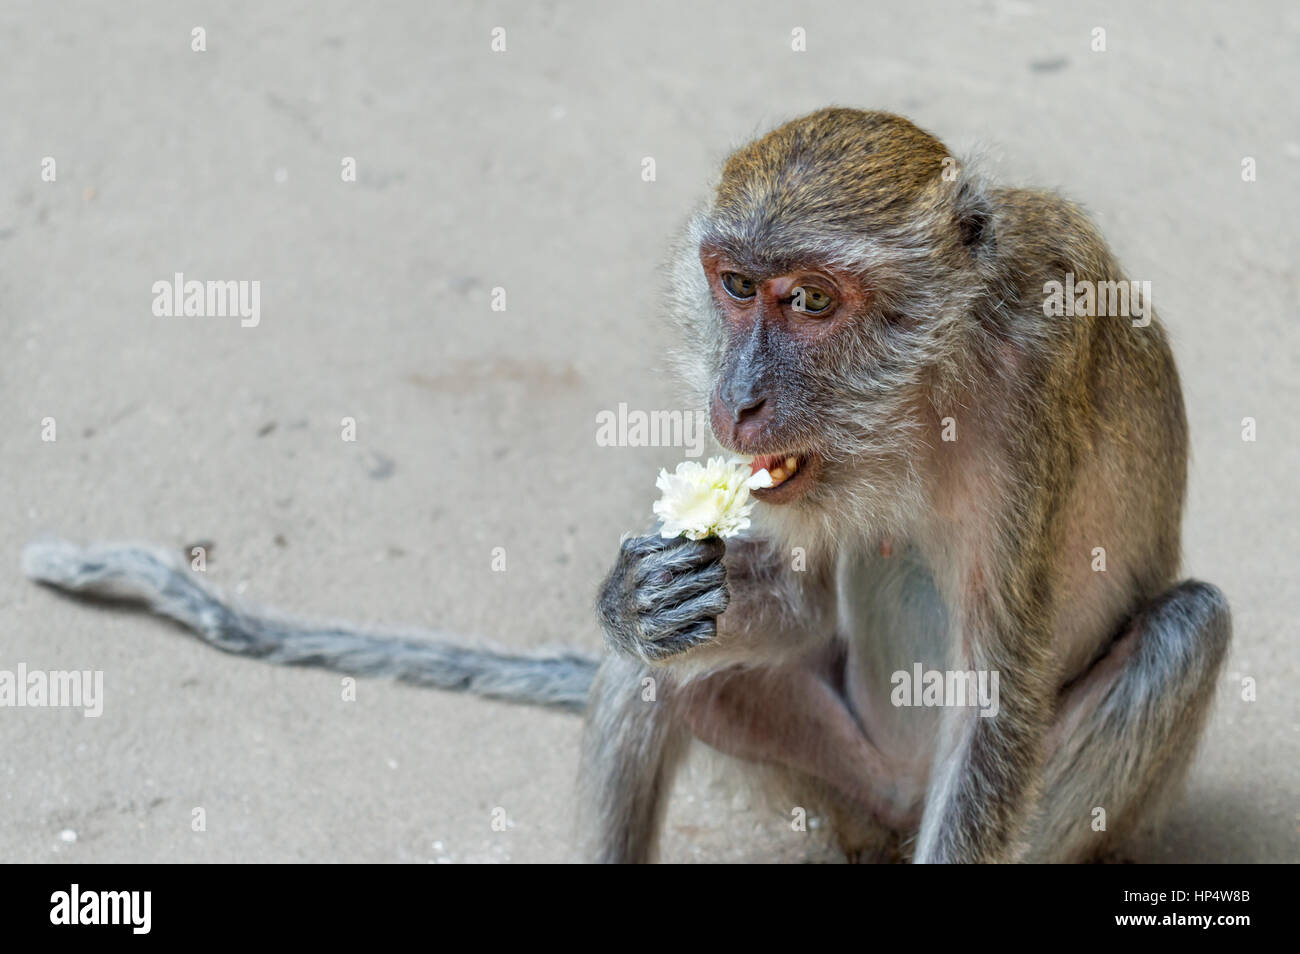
point(137, 574)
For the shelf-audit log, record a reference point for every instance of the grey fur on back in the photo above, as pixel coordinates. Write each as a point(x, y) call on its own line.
point(153, 577)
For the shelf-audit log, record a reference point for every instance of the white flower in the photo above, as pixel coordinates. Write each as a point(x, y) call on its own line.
point(707, 500)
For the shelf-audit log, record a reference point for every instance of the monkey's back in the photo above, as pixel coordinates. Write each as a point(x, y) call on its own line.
point(1107, 423)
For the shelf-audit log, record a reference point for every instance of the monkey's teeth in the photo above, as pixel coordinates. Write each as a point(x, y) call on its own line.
point(780, 469)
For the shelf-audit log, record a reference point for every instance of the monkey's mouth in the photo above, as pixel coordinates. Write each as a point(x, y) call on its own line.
point(793, 474)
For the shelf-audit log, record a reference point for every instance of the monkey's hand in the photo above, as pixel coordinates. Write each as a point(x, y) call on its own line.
point(663, 597)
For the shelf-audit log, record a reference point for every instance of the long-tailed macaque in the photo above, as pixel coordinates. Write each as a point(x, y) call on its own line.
point(974, 489)
point(965, 483)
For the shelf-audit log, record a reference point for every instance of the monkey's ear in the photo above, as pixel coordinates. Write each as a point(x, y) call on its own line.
point(974, 216)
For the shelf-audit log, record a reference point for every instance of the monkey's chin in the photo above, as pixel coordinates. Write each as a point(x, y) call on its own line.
point(792, 487)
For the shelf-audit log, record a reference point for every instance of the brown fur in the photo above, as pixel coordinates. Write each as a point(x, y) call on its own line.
point(1071, 435)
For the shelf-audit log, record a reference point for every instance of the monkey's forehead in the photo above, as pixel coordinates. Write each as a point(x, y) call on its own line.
point(821, 183)
point(769, 228)
point(769, 253)
point(761, 246)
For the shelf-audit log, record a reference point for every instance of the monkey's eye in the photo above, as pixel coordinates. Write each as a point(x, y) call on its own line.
point(815, 300)
point(738, 286)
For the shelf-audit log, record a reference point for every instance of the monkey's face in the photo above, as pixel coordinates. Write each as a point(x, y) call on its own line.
point(823, 297)
point(820, 370)
point(777, 329)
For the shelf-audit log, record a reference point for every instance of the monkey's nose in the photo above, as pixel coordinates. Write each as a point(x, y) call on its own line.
point(751, 419)
point(749, 407)
point(738, 420)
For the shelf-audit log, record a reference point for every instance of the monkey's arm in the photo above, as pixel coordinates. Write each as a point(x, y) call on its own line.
point(984, 777)
point(712, 604)
point(775, 610)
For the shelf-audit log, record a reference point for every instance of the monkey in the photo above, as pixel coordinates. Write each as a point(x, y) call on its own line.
point(863, 317)
point(842, 300)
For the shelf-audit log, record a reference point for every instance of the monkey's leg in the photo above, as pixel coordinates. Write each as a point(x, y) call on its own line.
point(794, 717)
point(633, 742)
point(1126, 730)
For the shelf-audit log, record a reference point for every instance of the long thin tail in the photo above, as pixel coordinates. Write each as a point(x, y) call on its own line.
point(152, 577)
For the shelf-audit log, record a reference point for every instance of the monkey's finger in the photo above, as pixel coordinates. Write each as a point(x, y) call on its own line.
point(695, 635)
point(662, 623)
point(634, 551)
point(660, 567)
point(647, 544)
point(678, 589)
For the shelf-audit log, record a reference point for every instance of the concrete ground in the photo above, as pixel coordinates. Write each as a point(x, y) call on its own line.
point(476, 428)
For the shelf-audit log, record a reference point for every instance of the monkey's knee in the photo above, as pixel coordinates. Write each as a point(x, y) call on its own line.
point(712, 709)
point(1162, 699)
point(1126, 731)
point(748, 713)
point(1186, 630)
point(1171, 650)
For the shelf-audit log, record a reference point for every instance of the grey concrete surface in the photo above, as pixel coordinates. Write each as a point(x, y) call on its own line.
point(477, 428)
